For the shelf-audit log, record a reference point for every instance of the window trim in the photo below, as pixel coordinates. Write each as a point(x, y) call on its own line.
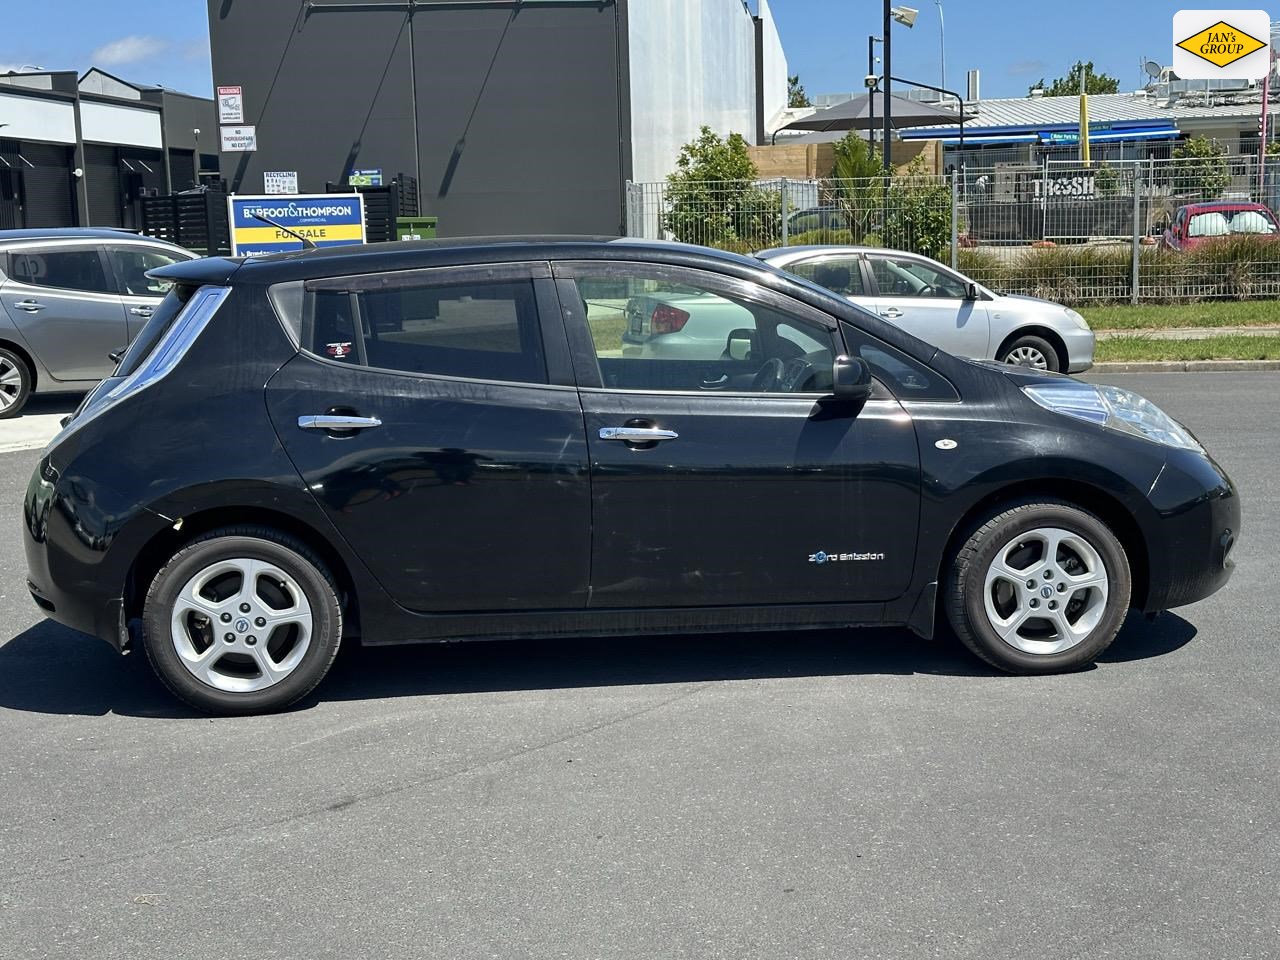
point(582, 345)
point(535, 273)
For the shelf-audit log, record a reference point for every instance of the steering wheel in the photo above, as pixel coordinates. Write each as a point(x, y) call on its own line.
point(796, 374)
point(926, 291)
point(768, 377)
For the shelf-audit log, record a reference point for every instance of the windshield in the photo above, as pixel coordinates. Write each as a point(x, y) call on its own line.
point(1230, 223)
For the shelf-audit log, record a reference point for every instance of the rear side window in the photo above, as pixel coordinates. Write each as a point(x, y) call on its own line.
point(485, 330)
point(842, 275)
point(60, 269)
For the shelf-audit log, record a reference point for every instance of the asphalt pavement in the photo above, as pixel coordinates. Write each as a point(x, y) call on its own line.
point(841, 795)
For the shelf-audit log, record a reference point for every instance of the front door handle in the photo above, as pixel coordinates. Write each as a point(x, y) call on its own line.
point(31, 306)
point(142, 311)
point(637, 434)
point(892, 313)
point(336, 422)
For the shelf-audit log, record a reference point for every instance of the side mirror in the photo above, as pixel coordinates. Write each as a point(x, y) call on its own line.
point(740, 345)
point(971, 291)
point(851, 378)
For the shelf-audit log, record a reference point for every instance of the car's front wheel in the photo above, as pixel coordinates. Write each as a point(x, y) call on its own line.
point(1031, 351)
point(15, 383)
point(242, 620)
point(1039, 588)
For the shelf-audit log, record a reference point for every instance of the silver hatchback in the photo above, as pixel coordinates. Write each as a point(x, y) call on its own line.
point(68, 299)
point(946, 308)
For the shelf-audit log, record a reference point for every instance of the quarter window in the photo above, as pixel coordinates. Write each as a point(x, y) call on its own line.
point(656, 333)
point(61, 269)
point(842, 275)
point(482, 331)
point(906, 277)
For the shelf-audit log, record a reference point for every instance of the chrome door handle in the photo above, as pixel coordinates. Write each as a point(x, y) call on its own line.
point(31, 306)
point(891, 312)
point(142, 311)
point(333, 422)
point(637, 434)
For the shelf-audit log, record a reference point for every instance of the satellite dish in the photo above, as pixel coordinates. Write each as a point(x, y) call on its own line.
point(1152, 69)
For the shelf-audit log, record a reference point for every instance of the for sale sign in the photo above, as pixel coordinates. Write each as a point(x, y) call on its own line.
point(326, 219)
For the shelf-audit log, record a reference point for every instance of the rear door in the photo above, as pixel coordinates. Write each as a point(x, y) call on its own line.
point(929, 301)
point(462, 482)
point(63, 300)
point(140, 295)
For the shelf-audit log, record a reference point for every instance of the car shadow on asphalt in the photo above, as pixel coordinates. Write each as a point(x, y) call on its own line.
point(49, 669)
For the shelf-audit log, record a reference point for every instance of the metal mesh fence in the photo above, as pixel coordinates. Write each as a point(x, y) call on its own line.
point(1111, 231)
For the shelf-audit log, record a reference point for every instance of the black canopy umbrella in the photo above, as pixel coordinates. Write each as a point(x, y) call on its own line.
point(865, 111)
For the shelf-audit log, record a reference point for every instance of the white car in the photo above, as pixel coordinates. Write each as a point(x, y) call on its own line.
point(946, 308)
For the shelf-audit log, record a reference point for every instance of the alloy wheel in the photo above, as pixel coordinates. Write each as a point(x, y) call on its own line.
point(10, 383)
point(1046, 590)
point(1027, 357)
point(241, 625)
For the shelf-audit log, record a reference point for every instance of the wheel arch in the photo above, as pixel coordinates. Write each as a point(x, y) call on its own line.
point(1048, 334)
point(163, 545)
point(7, 343)
point(1104, 505)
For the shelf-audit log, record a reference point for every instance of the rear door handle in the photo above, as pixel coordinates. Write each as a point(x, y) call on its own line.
point(893, 313)
point(31, 306)
point(637, 434)
point(142, 311)
point(335, 422)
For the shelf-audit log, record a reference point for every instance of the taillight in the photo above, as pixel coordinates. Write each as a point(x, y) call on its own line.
point(667, 319)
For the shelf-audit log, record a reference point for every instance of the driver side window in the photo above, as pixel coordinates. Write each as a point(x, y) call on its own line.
point(907, 277)
point(657, 331)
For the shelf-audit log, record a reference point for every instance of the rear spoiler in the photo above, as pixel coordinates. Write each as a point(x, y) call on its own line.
point(215, 271)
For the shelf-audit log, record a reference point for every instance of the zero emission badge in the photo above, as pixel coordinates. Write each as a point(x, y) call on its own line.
point(1221, 44)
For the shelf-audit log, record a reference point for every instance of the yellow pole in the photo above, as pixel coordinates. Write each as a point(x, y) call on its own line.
point(1084, 129)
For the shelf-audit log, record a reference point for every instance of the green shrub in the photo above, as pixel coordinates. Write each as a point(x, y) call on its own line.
point(713, 198)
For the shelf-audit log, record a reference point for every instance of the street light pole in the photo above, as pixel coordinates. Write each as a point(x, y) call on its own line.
point(942, 43)
point(871, 93)
point(886, 86)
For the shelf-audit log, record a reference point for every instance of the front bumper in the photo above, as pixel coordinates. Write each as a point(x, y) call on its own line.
point(1080, 346)
point(1190, 549)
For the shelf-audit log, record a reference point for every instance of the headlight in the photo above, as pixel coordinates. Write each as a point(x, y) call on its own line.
point(1078, 320)
point(1115, 408)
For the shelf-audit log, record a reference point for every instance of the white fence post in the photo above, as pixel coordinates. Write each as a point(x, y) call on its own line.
point(785, 204)
point(1137, 237)
point(955, 219)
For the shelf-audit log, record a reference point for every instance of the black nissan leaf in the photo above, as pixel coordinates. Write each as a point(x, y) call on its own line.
point(474, 439)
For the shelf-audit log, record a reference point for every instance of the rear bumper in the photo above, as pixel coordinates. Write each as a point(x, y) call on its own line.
point(1191, 550)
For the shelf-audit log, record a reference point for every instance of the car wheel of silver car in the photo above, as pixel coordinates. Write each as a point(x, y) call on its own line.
point(1031, 351)
point(1039, 588)
point(242, 620)
point(15, 383)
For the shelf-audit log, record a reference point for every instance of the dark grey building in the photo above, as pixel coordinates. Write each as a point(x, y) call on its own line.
point(513, 116)
point(84, 151)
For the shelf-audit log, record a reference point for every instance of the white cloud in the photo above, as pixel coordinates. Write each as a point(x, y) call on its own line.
point(129, 49)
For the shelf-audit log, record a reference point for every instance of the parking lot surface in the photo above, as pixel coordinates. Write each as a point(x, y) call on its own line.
point(843, 795)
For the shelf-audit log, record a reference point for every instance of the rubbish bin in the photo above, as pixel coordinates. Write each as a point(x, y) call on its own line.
point(416, 228)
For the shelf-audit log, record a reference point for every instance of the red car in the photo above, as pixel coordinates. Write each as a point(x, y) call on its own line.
point(1198, 223)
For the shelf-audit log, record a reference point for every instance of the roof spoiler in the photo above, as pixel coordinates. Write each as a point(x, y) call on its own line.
point(215, 271)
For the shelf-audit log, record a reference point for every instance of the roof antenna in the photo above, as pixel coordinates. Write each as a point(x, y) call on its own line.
point(307, 242)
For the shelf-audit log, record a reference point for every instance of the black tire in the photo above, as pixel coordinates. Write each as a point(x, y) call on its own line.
point(964, 598)
point(255, 543)
point(1029, 344)
point(17, 394)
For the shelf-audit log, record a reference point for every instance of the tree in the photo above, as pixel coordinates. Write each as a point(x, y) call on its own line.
point(1200, 169)
point(713, 199)
point(1069, 85)
point(918, 212)
point(796, 97)
point(857, 184)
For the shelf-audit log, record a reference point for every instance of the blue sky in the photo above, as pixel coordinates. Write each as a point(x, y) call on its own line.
point(1013, 42)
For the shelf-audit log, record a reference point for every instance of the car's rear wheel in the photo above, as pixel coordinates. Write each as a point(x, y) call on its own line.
point(15, 383)
point(242, 620)
point(1031, 351)
point(1039, 588)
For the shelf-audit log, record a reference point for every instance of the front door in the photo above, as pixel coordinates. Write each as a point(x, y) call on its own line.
point(732, 479)
point(462, 480)
point(930, 302)
point(63, 301)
